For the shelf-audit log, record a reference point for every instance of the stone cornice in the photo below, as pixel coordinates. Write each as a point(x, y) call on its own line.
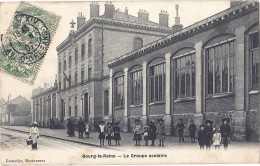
point(198, 27)
point(113, 22)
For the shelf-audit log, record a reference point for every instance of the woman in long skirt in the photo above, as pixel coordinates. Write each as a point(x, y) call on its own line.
point(34, 135)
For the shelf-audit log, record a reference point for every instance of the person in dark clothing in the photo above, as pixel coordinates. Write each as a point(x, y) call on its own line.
point(81, 127)
point(180, 128)
point(70, 128)
point(117, 135)
point(152, 132)
point(225, 131)
point(202, 137)
point(109, 133)
point(209, 133)
point(192, 130)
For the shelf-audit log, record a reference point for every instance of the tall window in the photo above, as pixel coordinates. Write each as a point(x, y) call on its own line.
point(64, 65)
point(64, 83)
point(69, 110)
point(89, 73)
point(76, 78)
point(76, 56)
point(119, 91)
point(59, 67)
point(157, 82)
point(76, 106)
point(138, 43)
point(90, 47)
point(184, 76)
point(220, 75)
point(69, 79)
point(106, 102)
point(69, 62)
point(136, 87)
point(82, 75)
point(254, 60)
point(82, 51)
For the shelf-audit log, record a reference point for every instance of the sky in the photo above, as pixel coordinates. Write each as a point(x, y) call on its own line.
point(189, 11)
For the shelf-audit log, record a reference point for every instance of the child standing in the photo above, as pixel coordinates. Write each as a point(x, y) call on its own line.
point(202, 137)
point(137, 132)
point(87, 131)
point(161, 132)
point(146, 135)
point(217, 139)
point(109, 131)
point(117, 135)
point(101, 129)
point(192, 130)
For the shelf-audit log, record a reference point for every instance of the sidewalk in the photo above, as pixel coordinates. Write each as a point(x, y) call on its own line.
point(126, 138)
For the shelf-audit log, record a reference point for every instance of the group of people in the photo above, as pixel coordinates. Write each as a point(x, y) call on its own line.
point(149, 133)
point(82, 128)
point(109, 132)
point(208, 135)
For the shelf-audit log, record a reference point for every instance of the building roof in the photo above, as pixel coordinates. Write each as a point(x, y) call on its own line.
point(119, 19)
point(197, 27)
point(2, 101)
point(18, 100)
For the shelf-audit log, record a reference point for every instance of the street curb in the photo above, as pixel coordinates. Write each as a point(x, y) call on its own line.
point(44, 135)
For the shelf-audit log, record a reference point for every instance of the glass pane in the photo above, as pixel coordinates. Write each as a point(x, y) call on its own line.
point(188, 83)
point(177, 84)
point(182, 83)
point(224, 76)
point(210, 77)
point(217, 76)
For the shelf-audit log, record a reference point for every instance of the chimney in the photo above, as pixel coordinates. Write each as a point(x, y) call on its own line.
point(109, 10)
point(177, 26)
point(235, 2)
point(94, 9)
point(80, 20)
point(126, 10)
point(143, 14)
point(163, 18)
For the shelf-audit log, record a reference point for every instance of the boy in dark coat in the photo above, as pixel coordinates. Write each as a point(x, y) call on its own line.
point(202, 137)
point(192, 130)
point(209, 133)
point(225, 131)
point(81, 128)
point(180, 128)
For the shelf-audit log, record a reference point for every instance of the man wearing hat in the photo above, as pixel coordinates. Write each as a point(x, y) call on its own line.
point(34, 135)
point(225, 131)
point(161, 132)
point(180, 128)
point(81, 127)
point(192, 130)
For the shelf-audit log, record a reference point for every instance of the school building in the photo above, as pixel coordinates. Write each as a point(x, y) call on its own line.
point(208, 70)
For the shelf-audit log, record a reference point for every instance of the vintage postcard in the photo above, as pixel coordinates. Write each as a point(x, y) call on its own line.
point(129, 82)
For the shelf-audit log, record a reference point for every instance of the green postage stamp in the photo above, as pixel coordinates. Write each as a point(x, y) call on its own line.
point(26, 42)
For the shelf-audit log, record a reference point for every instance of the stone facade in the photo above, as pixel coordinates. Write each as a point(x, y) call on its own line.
point(239, 101)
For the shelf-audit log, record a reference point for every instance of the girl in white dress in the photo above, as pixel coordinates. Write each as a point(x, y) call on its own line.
point(34, 135)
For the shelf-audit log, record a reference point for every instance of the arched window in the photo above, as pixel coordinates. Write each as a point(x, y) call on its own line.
point(157, 81)
point(254, 60)
point(136, 86)
point(219, 59)
point(119, 90)
point(184, 74)
point(138, 43)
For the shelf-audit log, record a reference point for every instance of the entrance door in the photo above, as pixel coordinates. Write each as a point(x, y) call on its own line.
point(62, 110)
point(86, 107)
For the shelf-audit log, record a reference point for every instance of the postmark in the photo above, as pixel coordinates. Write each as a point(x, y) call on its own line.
point(26, 42)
